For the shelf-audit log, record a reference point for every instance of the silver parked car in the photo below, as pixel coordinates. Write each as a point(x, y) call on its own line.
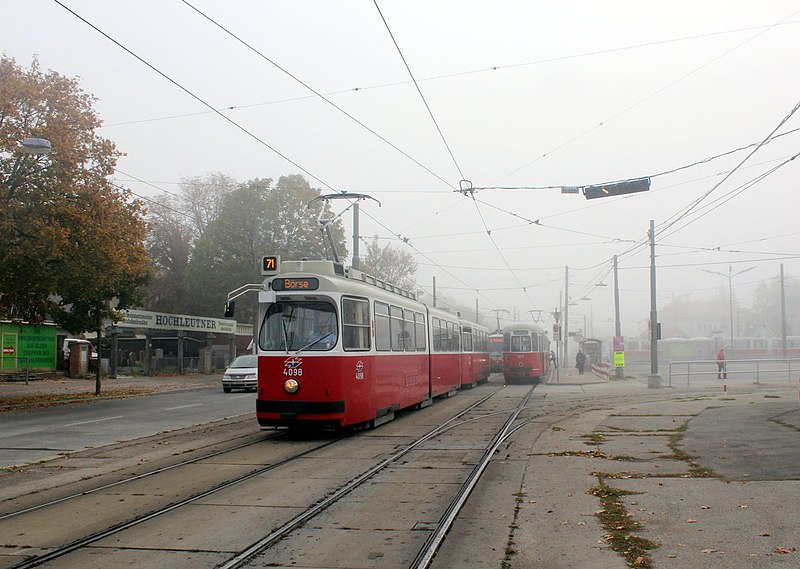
point(241, 374)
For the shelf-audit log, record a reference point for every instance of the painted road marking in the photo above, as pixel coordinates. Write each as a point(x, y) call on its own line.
point(183, 407)
point(95, 421)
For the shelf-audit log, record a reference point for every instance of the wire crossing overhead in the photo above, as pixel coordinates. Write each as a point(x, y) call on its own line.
point(617, 188)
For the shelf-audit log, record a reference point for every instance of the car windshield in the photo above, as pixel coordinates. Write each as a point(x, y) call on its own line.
point(245, 361)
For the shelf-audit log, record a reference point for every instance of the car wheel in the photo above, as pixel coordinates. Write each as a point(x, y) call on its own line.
point(226, 389)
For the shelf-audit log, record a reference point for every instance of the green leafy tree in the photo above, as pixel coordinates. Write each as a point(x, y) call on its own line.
point(201, 200)
point(70, 241)
point(169, 245)
point(176, 222)
point(257, 219)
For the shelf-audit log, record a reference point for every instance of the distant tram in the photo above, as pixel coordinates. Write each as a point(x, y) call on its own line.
point(496, 352)
point(526, 352)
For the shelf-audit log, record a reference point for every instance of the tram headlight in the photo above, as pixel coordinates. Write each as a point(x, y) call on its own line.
point(291, 386)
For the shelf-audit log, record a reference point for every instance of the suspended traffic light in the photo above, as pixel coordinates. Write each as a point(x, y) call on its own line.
point(617, 188)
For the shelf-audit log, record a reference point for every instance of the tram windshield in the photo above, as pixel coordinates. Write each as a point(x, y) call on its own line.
point(517, 342)
point(299, 326)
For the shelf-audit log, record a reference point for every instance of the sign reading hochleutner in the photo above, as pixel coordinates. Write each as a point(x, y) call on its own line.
point(163, 321)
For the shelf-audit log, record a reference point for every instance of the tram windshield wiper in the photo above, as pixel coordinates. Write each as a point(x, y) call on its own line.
point(317, 341)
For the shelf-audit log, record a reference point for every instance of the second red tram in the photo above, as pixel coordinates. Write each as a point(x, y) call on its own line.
point(338, 348)
point(526, 352)
point(496, 352)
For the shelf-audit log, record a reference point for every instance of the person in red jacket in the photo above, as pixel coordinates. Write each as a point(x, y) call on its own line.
point(721, 368)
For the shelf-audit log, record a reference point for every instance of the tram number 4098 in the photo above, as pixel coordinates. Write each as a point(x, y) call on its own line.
point(292, 371)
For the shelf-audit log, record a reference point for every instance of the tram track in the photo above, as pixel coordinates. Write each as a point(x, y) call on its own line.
point(58, 554)
point(470, 420)
point(258, 547)
point(10, 521)
point(127, 480)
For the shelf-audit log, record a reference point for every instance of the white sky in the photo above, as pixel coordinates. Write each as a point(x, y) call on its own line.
point(585, 92)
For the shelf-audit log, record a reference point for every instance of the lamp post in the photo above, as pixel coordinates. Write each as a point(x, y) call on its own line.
point(730, 276)
point(36, 146)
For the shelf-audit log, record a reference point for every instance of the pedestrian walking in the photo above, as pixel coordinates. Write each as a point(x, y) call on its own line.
point(553, 358)
point(580, 361)
point(722, 369)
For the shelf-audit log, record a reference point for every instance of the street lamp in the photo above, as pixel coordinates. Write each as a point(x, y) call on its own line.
point(730, 276)
point(36, 146)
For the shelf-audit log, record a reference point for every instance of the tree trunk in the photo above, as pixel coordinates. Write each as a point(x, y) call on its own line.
point(99, 357)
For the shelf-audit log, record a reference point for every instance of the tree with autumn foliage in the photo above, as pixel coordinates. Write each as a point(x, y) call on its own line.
point(71, 242)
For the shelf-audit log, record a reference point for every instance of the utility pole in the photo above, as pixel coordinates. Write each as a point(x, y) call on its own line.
point(653, 380)
point(730, 276)
point(356, 261)
point(497, 312)
point(618, 371)
point(557, 336)
point(783, 313)
point(566, 315)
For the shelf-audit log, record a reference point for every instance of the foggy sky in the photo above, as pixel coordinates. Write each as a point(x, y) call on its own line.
point(525, 94)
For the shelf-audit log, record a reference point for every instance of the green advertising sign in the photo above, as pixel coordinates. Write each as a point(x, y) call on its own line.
point(28, 345)
point(619, 359)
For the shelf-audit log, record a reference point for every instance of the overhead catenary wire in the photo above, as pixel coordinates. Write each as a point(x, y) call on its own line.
point(487, 229)
point(416, 84)
point(194, 96)
point(491, 69)
point(725, 198)
point(316, 93)
point(648, 97)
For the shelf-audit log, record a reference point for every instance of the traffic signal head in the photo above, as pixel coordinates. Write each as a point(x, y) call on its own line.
point(617, 188)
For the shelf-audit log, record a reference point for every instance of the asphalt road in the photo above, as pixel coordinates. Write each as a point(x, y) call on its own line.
point(32, 435)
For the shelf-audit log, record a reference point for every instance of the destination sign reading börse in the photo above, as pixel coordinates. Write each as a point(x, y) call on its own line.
point(310, 283)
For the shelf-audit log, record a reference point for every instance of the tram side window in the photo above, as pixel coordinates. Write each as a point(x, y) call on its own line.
point(482, 345)
point(438, 333)
point(467, 338)
point(409, 331)
point(507, 342)
point(355, 324)
point(455, 336)
point(447, 335)
point(419, 325)
point(382, 334)
point(396, 328)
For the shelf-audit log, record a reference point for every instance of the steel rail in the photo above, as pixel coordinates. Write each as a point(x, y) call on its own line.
point(61, 551)
point(129, 479)
point(266, 542)
point(434, 541)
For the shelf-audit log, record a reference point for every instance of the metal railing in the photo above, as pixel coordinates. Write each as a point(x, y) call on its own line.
point(755, 370)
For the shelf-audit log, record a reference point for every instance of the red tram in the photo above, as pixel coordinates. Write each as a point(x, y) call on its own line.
point(338, 348)
point(526, 352)
point(496, 352)
point(474, 354)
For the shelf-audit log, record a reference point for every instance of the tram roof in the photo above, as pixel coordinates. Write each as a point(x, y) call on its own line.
point(522, 326)
point(331, 269)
